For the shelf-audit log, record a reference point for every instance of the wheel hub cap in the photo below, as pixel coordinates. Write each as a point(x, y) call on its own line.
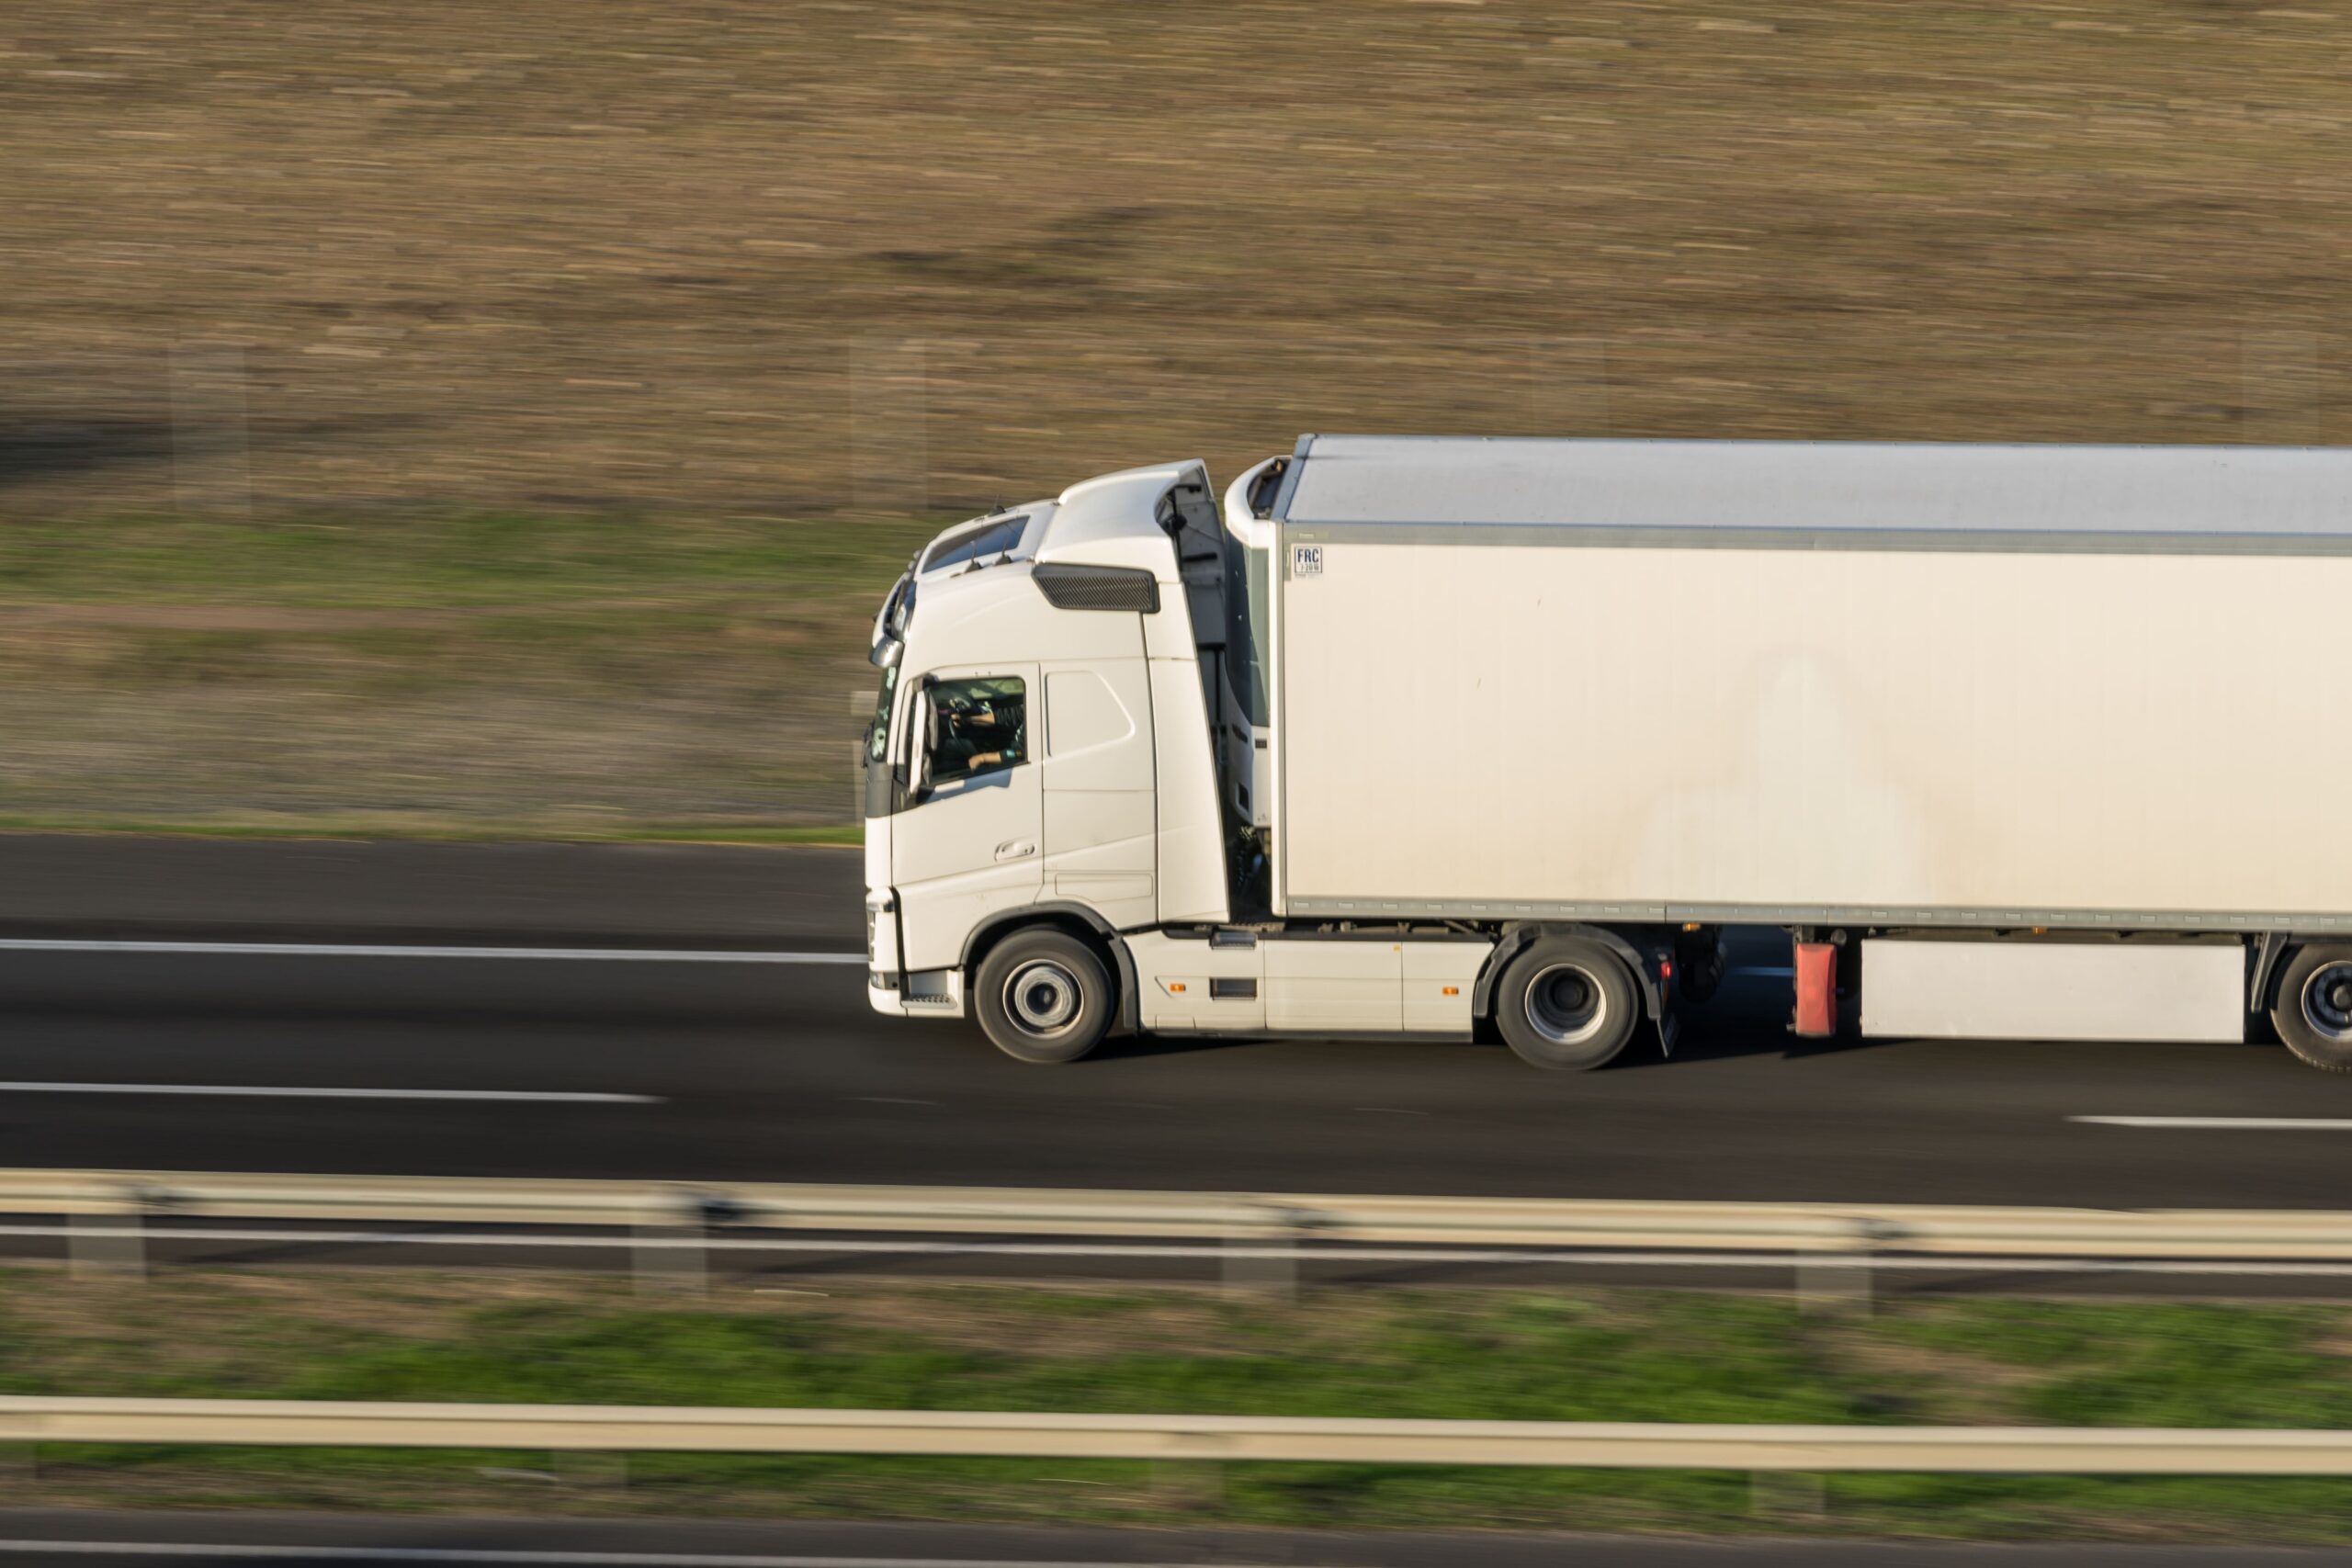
point(1565, 1005)
point(2327, 1001)
point(1042, 997)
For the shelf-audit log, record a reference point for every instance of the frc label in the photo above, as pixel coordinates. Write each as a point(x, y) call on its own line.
point(1307, 560)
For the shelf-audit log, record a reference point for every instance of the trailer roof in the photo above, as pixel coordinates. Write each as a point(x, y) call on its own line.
point(2294, 496)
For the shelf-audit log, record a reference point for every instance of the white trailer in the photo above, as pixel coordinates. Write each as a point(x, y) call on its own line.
point(1428, 737)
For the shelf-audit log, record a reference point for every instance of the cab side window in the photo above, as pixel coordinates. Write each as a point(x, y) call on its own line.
point(981, 727)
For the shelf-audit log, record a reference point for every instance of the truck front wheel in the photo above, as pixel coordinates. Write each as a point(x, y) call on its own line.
point(1043, 996)
point(1566, 1004)
point(2314, 1012)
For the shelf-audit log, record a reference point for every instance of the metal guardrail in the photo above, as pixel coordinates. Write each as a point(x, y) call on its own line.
point(431, 1199)
point(1614, 1445)
point(1521, 1222)
point(1257, 1229)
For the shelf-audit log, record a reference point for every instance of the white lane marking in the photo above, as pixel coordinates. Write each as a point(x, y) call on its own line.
point(552, 1559)
point(556, 1096)
point(1906, 1263)
point(340, 950)
point(2228, 1123)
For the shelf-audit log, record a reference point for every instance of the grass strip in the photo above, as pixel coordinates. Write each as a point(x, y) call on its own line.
point(441, 675)
point(1590, 1354)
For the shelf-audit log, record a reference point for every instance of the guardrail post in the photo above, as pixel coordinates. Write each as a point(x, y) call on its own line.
point(1194, 1485)
point(657, 1267)
point(665, 1251)
point(105, 1244)
point(1265, 1257)
point(111, 1243)
point(685, 1263)
point(1843, 1284)
point(1787, 1495)
point(1243, 1265)
point(1826, 1283)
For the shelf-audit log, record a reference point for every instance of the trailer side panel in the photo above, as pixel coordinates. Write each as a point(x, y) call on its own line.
point(2107, 736)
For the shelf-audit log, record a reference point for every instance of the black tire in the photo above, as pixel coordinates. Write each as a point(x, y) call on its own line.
point(1567, 1004)
point(2314, 1009)
point(1043, 996)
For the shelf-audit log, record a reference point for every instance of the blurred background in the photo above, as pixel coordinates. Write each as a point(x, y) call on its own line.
point(432, 417)
point(502, 421)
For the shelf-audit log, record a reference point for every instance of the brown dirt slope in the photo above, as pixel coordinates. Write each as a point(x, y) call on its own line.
point(798, 257)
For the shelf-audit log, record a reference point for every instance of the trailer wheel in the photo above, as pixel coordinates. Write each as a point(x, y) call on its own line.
point(2313, 1010)
point(1043, 996)
point(1566, 1004)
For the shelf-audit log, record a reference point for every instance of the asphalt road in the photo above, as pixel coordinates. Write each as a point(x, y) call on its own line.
point(778, 1071)
point(54, 1539)
point(343, 890)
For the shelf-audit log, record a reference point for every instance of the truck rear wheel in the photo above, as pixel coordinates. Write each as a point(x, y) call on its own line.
point(1043, 996)
point(1566, 1004)
point(2313, 1010)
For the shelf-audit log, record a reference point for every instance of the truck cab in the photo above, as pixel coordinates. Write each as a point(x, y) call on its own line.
point(1039, 757)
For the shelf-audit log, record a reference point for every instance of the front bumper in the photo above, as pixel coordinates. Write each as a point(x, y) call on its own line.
point(927, 993)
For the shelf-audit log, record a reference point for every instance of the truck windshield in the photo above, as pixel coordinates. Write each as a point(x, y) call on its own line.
point(992, 538)
point(877, 737)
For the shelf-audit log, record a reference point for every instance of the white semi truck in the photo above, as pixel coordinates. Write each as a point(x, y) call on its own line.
point(1428, 737)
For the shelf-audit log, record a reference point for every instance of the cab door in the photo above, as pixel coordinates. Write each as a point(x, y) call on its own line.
point(1102, 843)
point(969, 844)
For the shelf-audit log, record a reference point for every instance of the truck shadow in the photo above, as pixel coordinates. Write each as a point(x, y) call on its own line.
point(1138, 1047)
point(1748, 1016)
point(44, 445)
point(1704, 1042)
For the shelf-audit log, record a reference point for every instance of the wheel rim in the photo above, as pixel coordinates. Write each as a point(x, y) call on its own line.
point(1566, 1005)
point(1042, 997)
point(2327, 1001)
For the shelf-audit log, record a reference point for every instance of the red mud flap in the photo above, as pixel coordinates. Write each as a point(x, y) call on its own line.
point(1816, 990)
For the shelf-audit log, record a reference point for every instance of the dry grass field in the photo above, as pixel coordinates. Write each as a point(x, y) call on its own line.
point(804, 273)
